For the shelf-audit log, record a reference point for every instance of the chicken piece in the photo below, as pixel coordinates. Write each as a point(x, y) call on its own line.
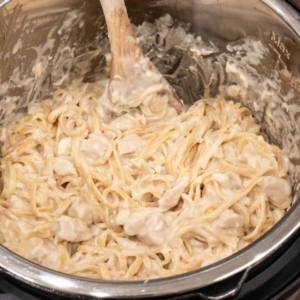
point(172, 196)
point(63, 167)
point(52, 260)
point(129, 144)
point(37, 249)
point(230, 152)
point(82, 211)
point(126, 243)
point(135, 223)
point(229, 220)
point(150, 227)
point(94, 147)
point(125, 122)
point(96, 229)
point(15, 202)
point(72, 230)
point(122, 216)
point(64, 146)
point(229, 180)
point(255, 160)
point(276, 189)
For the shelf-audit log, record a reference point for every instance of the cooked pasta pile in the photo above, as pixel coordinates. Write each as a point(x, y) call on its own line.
point(142, 194)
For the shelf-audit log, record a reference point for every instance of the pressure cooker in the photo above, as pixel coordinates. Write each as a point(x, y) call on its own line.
point(268, 268)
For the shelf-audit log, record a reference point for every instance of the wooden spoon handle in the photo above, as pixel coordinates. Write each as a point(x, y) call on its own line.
point(128, 60)
point(110, 5)
point(122, 40)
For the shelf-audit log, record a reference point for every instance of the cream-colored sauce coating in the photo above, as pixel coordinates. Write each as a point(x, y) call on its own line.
point(136, 195)
point(129, 190)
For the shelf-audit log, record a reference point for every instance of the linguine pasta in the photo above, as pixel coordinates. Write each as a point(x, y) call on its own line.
point(99, 190)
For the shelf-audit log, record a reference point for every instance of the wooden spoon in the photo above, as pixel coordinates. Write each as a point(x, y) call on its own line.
point(129, 65)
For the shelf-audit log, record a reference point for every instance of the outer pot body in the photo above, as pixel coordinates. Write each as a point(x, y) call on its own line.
point(27, 25)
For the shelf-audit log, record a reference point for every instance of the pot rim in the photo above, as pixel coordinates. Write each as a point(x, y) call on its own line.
point(49, 280)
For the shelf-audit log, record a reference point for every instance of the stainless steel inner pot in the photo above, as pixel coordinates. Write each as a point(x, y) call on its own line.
point(25, 24)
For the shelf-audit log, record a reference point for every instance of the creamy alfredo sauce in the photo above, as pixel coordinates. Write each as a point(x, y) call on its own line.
point(134, 191)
